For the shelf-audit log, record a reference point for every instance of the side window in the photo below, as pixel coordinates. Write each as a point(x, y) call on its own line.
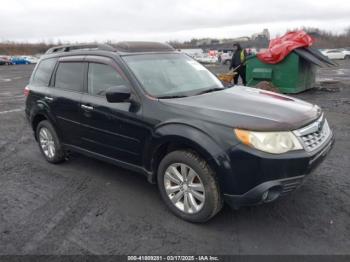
point(101, 77)
point(43, 73)
point(69, 76)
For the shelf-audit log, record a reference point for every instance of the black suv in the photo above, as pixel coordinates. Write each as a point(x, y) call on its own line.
point(148, 108)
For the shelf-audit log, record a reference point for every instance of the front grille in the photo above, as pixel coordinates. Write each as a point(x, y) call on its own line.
point(291, 184)
point(314, 135)
point(314, 140)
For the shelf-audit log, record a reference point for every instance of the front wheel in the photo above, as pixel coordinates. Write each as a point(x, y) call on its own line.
point(188, 186)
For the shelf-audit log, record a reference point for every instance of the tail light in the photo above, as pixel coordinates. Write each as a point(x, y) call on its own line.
point(26, 91)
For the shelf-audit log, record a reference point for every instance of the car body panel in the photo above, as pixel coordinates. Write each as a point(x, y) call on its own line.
point(248, 108)
point(113, 129)
point(66, 106)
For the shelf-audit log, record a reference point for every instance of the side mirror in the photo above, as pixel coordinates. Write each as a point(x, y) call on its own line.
point(118, 94)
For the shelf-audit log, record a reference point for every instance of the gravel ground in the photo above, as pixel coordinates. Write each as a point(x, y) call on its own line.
point(84, 206)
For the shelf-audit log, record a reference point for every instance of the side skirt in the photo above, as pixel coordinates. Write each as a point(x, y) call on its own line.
point(150, 176)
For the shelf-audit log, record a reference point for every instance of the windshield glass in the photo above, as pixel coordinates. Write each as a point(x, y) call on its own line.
point(165, 75)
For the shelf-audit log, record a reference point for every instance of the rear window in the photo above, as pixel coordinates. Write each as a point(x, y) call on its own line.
point(69, 76)
point(43, 73)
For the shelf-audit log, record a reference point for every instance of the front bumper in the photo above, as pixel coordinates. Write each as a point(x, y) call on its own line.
point(274, 177)
point(265, 192)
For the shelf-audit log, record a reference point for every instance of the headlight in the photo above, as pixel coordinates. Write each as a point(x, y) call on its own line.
point(271, 142)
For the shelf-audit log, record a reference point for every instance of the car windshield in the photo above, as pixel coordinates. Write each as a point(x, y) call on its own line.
point(172, 75)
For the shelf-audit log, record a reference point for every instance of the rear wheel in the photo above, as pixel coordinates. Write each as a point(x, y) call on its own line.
point(49, 143)
point(188, 186)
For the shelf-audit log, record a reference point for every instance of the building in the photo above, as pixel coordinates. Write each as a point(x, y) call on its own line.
point(265, 34)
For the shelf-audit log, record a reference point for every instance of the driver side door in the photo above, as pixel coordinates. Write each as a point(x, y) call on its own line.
point(113, 130)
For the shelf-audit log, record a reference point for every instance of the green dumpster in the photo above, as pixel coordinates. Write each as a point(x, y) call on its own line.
point(293, 75)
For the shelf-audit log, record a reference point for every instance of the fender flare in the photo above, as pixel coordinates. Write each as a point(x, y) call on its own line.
point(41, 108)
point(183, 134)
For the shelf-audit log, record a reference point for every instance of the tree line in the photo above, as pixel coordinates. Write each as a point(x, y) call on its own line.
point(324, 39)
point(15, 48)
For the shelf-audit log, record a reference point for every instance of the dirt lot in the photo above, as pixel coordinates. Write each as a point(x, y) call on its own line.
point(88, 207)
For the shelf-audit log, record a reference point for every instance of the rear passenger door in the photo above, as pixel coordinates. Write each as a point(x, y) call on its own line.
point(111, 129)
point(65, 95)
point(40, 81)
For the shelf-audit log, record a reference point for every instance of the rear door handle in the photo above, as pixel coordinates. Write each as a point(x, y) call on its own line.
point(48, 98)
point(85, 107)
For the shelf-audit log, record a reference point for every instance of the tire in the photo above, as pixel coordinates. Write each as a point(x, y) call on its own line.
point(205, 179)
point(46, 131)
point(347, 57)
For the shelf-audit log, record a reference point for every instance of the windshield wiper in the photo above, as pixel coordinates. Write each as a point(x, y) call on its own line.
point(171, 96)
point(210, 90)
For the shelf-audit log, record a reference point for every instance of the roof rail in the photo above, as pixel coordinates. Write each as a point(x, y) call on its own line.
point(68, 48)
point(137, 46)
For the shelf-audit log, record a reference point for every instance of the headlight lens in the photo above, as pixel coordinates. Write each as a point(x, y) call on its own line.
point(271, 142)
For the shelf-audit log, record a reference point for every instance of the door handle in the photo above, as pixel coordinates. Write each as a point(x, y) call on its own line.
point(87, 107)
point(48, 98)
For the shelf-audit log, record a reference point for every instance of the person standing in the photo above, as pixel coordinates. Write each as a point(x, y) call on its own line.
point(238, 59)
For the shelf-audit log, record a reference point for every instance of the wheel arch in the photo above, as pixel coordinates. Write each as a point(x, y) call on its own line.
point(40, 114)
point(172, 137)
point(37, 119)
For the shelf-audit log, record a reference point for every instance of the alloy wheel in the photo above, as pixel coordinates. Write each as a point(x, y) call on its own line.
point(47, 143)
point(184, 188)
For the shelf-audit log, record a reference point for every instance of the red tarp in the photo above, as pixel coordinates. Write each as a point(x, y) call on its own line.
point(280, 47)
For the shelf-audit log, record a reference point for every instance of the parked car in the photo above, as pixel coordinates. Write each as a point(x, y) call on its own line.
point(5, 60)
point(346, 52)
point(2, 61)
point(192, 52)
point(156, 111)
point(225, 57)
point(19, 60)
point(31, 59)
point(206, 59)
point(333, 54)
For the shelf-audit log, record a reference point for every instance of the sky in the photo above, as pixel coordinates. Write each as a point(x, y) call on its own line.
point(163, 20)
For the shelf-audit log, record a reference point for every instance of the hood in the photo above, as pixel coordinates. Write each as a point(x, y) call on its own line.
point(247, 108)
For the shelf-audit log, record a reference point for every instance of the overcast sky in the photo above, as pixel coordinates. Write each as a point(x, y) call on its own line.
point(162, 20)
